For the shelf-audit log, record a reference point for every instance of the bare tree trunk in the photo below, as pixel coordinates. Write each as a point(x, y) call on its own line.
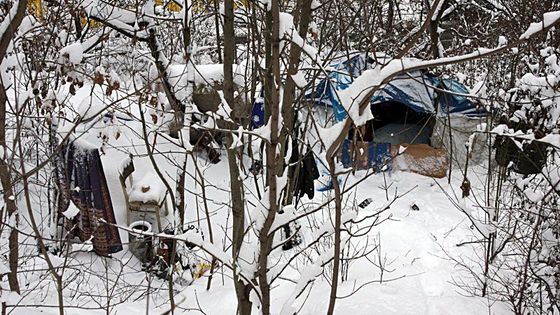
point(242, 290)
point(177, 124)
point(434, 26)
point(390, 16)
point(272, 160)
point(181, 204)
point(337, 223)
point(5, 176)
point(187, 45)
point(238, 209)
point(9, 198)
point(217, 21)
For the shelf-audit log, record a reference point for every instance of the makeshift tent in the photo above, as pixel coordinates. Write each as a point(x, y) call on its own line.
point(417, 90)
point(406, 110)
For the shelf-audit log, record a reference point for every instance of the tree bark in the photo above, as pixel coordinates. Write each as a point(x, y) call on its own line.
point(9, 198)
point(434, 26)
point(242, 290)
point(177, 124)
point(337, 223)
point(5, 174)
point(272, 159)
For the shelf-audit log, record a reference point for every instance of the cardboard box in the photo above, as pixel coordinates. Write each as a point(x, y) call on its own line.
point(421, 159)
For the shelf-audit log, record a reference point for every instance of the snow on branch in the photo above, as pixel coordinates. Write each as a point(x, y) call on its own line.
point(308, 276)
point(505, 131)
point(9, 25)
point(288, 30)
point(123, 21)
point(549, 19)
point(8, 19)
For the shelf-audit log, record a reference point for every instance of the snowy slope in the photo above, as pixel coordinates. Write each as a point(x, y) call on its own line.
point(416, 246)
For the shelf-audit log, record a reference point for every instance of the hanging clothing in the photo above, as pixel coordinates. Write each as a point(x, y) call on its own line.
point(307, 172)
point(82, 181)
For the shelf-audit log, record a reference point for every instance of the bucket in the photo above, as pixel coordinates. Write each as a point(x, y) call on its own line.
point(141, 245)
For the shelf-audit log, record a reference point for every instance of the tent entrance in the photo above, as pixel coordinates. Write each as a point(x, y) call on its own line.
point(395, 123)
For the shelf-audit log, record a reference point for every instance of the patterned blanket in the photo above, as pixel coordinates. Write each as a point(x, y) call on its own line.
point(82, 181)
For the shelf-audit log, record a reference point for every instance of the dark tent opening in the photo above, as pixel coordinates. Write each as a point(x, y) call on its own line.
point(396, 123)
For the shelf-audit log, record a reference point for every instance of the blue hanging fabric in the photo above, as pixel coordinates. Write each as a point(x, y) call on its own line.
point(257, 113)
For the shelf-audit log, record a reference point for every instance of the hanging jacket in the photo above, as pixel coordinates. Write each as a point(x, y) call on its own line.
point(308, 172)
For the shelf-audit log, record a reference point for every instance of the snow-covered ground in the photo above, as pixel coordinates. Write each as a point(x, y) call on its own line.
point(418, 248)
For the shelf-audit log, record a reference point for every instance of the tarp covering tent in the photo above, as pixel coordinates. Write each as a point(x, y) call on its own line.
point(417, 90)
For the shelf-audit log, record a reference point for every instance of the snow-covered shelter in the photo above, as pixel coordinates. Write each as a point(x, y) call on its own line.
point(145, 197)
point(415, 108)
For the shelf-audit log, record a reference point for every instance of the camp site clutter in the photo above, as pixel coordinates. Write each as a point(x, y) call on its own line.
point(418, 119)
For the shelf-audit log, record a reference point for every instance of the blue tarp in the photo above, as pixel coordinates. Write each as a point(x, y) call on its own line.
point(414, 89)
point(378, 155)
point(455, 100)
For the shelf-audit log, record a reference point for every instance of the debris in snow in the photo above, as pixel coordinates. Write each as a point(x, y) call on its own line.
point(365, 203)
